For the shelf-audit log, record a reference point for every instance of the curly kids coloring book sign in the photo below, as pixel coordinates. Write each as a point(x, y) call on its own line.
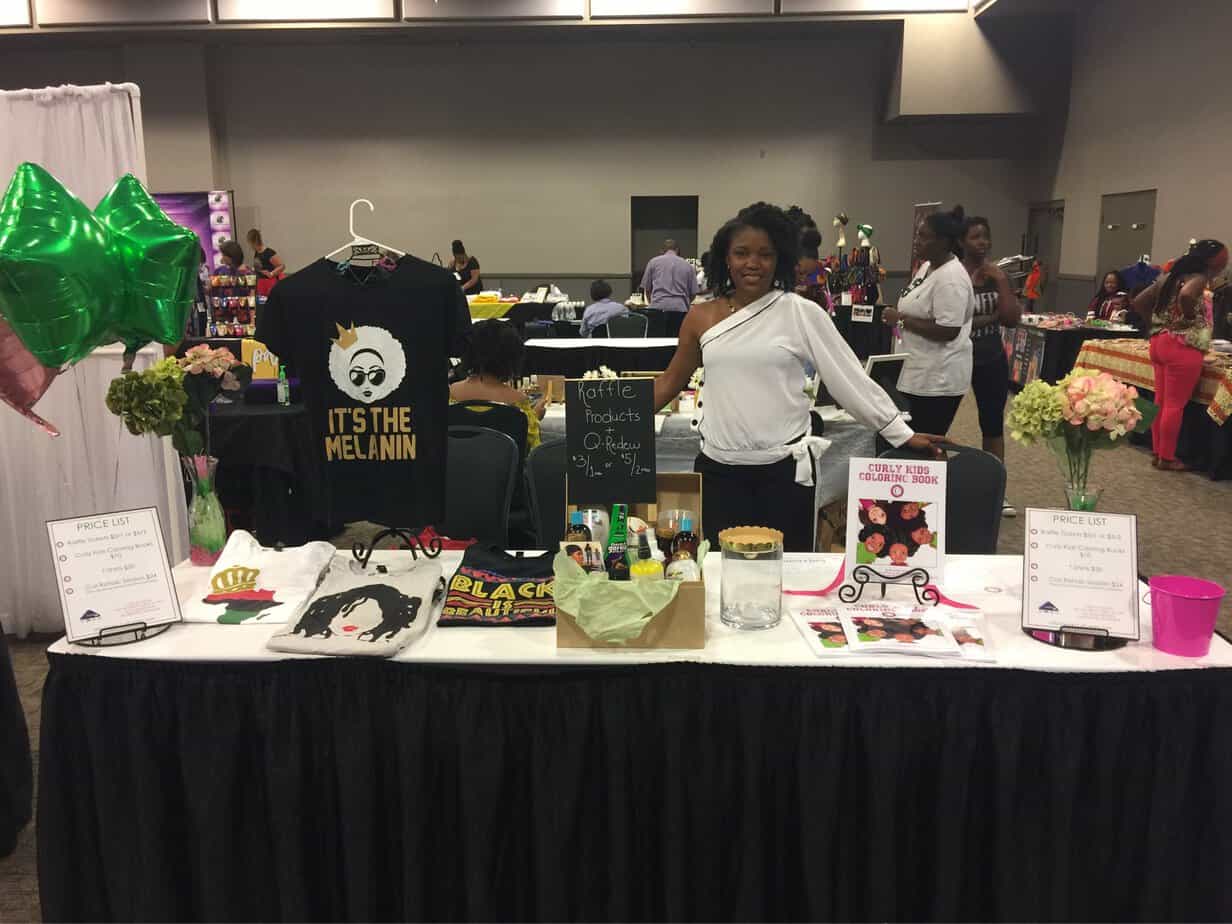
point(896, 517)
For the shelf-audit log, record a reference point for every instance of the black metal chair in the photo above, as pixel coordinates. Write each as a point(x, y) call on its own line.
point(511, 421)
point(627, 325)
point(974, 492)
point(483, 464)
point(545, 476)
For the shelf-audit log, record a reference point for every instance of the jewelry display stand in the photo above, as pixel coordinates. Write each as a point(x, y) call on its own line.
point(917, 579)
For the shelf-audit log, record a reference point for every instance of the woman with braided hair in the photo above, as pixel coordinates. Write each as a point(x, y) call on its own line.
point(1180, 319)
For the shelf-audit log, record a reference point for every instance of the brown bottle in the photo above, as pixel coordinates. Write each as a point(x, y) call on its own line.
point(686, 540)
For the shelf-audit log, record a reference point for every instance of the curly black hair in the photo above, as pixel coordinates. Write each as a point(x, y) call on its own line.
point(784, 238)
point(398, 611)
point(495, 349)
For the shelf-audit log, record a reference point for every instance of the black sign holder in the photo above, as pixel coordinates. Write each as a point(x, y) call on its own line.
point(863, 575)
point(119, 635)
point(1077, 639)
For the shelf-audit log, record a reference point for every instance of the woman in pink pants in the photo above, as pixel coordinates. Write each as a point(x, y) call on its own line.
point(1180, 335)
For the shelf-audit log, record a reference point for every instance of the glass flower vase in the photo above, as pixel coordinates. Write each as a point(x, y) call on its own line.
point(1073, 453)
point(207, 528)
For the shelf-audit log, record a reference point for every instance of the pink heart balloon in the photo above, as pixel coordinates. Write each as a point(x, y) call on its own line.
point(23, 379)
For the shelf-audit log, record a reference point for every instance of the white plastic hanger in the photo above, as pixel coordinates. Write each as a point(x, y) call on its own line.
point(357, 240)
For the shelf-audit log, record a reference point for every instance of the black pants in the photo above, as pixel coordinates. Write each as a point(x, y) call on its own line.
point(671, 323)
point(991, 383)
point(932, 413)
point(756, 495)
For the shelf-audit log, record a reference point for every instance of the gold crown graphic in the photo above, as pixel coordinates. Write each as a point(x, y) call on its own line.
point(346, 336)
point(235, 580)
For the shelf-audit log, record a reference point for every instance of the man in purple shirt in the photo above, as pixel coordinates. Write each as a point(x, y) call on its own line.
point(603, 308)
point(670, 285)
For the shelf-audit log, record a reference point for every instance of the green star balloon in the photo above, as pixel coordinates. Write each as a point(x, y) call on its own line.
point(160, 262)
point(60, 273)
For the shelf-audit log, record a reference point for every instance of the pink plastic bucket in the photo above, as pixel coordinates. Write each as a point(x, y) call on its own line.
point(1183, 613)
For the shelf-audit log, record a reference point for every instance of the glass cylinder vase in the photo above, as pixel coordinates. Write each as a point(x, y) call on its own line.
point(1073, 452)
point(751, 590)
point(207, 528)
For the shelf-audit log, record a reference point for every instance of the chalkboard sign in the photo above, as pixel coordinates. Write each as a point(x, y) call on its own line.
point(610, 439)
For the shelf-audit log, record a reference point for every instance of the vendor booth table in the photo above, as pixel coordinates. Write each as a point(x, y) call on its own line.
point(1205, 441)
point(483, 774)
point(1042, 353)
point(574, 358)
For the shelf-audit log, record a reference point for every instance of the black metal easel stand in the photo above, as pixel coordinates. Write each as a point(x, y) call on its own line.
point(863, 575)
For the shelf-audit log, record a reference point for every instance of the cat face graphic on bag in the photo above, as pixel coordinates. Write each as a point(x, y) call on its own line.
point(369, 613)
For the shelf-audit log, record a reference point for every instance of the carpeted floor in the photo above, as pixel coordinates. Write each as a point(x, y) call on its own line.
point(1182, 527)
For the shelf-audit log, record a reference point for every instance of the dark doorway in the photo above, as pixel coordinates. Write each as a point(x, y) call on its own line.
point(655, 219)
point(1045, 224)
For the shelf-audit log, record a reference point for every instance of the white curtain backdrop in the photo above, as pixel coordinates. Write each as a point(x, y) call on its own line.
point(87, 137)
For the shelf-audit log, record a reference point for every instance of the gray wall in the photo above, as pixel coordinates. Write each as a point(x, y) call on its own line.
point(530, 152)
point(1150, 113)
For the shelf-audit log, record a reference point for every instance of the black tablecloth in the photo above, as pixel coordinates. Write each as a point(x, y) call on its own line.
point(575, 361)
point(1060, 352)
point(269, 471)
point(16, 768)
point(366, 790)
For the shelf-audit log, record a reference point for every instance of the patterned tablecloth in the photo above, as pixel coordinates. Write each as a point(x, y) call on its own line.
point(1129, 361)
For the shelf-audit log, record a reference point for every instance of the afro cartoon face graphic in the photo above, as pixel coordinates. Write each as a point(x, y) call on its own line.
point(366, 363)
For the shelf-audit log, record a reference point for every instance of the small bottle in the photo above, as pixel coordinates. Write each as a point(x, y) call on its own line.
point(686, 540)
point(645, 568)
point(284, 387)
point(578, 531)
point(617, 567)
point(683, 568)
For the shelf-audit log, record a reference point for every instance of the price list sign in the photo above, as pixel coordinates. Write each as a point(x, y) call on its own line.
point(1081, 573)
point(112, 572)
point(609, 440)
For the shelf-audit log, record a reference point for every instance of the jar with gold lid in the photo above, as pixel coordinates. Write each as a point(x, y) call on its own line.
point(751, 591)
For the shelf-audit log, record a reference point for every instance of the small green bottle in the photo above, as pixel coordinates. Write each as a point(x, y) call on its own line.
point(284, 387)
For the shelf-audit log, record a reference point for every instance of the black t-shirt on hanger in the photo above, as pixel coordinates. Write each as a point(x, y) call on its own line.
point(370, 348)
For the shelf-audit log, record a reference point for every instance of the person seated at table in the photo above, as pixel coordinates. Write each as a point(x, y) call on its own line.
point(492, 362)
point(1111, 302)
point(757, 432)
point(602, 307)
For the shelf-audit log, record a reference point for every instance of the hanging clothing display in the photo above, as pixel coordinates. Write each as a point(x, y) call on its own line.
point(369, 611)
point(494, 588)
point(251, 584)
point(370, 345)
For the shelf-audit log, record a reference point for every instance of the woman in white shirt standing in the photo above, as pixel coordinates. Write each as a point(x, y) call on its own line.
point(935, 314)
point(757, 438)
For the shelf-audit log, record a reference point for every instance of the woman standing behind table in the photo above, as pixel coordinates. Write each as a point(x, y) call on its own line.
point(754, 339)
point(995, 307)
point(1180, 335)
point(266, 260)
point(466, 269)
point(935, 314)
